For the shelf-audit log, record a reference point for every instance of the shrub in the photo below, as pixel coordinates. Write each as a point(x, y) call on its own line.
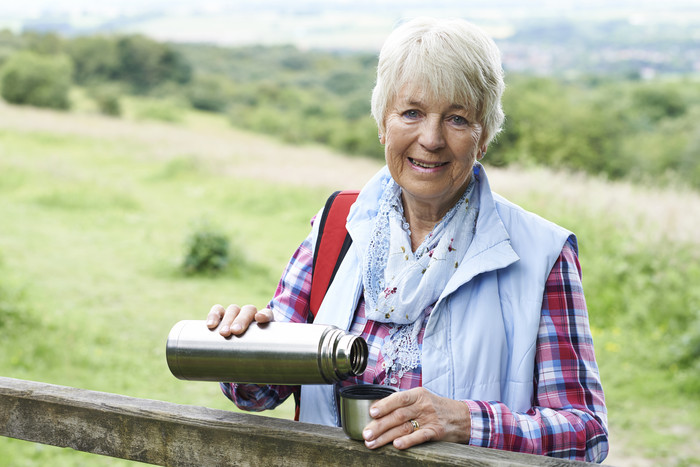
point(40, 80)
point(207, 251)
point(106, 96)
point(210, 92)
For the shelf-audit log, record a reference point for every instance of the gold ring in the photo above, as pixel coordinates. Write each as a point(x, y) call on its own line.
point(415, 424)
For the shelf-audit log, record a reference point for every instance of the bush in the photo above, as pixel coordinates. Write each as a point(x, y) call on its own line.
point(212, 93)
point(207, 251)
point(40, 80)
point(106, 96)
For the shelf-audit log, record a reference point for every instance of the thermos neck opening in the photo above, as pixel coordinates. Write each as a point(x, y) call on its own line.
point(342, 355)
point(358, 356)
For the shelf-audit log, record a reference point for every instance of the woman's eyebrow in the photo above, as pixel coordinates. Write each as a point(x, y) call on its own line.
point(418, 103)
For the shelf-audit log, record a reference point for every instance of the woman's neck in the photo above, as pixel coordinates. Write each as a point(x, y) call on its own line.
point(422, 216)
point(422, 219)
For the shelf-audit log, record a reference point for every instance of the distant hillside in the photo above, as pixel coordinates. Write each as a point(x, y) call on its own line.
point(544, 37)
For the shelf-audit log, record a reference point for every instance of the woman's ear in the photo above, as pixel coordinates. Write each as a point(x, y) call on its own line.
point(382, 139)
point(482, 152)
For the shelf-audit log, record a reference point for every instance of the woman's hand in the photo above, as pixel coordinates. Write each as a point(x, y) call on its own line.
point(437, 418)
point(236, 319)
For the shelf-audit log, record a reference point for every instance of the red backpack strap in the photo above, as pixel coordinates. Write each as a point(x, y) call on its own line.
point(331, 245)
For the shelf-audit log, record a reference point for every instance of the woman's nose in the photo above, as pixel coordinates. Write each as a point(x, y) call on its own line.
point(432, 135)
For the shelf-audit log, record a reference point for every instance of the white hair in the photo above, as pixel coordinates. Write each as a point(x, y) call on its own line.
point(447, 59)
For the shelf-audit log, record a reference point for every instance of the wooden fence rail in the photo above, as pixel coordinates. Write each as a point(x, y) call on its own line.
point(170, 434)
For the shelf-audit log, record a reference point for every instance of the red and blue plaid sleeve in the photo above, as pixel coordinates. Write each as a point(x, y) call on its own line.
point(291, 299)
point(568, 418)
point(290, 303)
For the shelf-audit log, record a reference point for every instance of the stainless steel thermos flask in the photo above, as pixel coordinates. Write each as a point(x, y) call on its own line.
point(272, 353)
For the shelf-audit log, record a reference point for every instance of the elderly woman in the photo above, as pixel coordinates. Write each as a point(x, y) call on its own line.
point(470, 305)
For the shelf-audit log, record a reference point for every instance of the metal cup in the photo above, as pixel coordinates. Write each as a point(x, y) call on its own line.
point(355, 402)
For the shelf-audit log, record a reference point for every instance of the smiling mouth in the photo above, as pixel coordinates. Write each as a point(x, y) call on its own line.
point(426, 165)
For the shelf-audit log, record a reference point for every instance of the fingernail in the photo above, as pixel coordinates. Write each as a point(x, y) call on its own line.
point(224, 330)
point(367, 434)
point(370, 444)
point(236, 327)
point(373, 412)
point(210, 322)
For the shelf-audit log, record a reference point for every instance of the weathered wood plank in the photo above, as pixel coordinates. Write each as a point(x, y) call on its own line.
point(170, 434)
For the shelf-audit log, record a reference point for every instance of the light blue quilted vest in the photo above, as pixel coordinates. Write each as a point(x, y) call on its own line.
point(479, 341)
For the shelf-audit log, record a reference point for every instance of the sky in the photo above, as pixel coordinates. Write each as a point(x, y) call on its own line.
point(26, 8)
point(312, 23)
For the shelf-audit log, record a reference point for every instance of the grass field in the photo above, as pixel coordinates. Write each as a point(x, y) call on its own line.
point(94, 213)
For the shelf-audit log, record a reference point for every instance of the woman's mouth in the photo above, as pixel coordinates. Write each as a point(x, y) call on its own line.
point(426, 165)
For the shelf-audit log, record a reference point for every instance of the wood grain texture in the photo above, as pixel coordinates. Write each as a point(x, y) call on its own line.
point(170, 434)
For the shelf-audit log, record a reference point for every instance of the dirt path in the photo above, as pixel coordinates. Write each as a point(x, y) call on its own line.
point(230, 150)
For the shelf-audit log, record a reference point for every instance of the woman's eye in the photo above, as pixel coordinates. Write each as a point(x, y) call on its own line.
point(412, 114)
point(459, 120)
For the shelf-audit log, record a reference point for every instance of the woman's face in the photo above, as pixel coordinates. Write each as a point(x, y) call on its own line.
point(431, 146)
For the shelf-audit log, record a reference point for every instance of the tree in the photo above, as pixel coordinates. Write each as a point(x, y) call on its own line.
point(145, 64)
point(95, 59)
point(39, 80)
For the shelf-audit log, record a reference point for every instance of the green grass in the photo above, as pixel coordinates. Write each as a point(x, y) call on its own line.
point(643, 296)
point(93, 234)
point(93, 231)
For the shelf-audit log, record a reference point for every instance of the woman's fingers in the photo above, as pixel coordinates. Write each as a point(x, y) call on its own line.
point(264, 316)
point(389, 405)
point(215, 315)
point(403, 435)
point(235, 319)
point(244, 317)
point(436, 418)
point(415, 437)
point(227, 320)
point(392, 417)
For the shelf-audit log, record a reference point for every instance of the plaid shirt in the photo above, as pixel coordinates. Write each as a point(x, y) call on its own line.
point(568, 417)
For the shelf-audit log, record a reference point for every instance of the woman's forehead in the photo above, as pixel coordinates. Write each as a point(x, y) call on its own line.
point(425, 95)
